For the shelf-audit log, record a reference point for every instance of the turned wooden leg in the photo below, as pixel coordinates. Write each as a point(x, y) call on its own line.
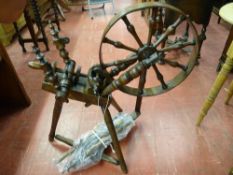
point(141, 85)
point(229, 93)
point(222, 76)
point(115, 142)
point(56, 115)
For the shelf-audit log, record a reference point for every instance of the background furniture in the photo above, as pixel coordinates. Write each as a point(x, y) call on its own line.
point(97, 2)
point(66, 3)
point(199, 11)
point(34, 11)
point(217, 5)
point(226, 14)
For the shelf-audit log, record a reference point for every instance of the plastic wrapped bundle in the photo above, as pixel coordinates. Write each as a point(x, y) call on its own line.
point(88, 149)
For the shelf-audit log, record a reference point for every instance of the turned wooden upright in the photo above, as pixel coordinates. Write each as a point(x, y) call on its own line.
point(226, 14)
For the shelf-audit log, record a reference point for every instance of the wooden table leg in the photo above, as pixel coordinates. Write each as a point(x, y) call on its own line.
point(12, 92)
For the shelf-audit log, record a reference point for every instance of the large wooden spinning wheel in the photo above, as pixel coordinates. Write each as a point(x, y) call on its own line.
point(133, 39)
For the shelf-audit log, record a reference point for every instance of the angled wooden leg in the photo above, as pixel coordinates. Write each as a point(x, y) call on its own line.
point(116, 105)
point(56, 115)
point(115, 142)
point(229, 93)
point(141, 85)
point(222, 76)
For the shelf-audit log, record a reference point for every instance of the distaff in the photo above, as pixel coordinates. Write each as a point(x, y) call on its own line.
point(11, 10)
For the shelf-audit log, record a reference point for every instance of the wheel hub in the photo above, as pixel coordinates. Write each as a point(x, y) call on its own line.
point(145, 52)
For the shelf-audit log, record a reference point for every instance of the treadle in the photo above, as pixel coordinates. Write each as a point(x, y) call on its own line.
point(105, 157)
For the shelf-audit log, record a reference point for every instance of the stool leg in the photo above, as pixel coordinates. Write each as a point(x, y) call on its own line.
point(30, 27)
point(115, 142)
point(20, 39)
point(38, 21)
point(222, 76)
point(229, 93)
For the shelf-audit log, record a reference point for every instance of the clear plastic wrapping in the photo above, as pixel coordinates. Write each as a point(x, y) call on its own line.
point(88, 149)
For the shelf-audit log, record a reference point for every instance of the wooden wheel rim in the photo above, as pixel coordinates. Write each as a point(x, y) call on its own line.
point(180, 77)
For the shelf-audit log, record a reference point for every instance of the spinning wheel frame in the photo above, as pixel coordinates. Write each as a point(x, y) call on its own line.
point(164, 87)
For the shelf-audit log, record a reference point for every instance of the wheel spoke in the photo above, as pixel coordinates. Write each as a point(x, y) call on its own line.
point(177, 45)
point(186, 33)
point(129, 59)
point(118, 44)
point(159, 77)
point(132, 30)
point(123, 66)
point(169, 30)
point(175, 64)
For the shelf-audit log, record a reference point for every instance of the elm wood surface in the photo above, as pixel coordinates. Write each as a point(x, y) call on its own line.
point(165, 140)
point(11, 89)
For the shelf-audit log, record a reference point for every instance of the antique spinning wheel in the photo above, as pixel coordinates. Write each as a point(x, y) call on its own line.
point(149, 38)
point(144, 45)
